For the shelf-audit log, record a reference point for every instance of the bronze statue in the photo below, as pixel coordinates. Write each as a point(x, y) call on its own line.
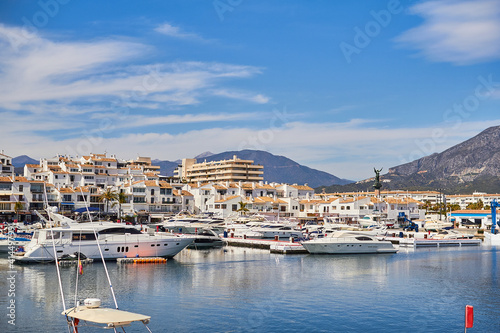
point(377, 184)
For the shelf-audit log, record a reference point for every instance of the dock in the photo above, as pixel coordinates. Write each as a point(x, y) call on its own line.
point(142, 260)
point(274, 246)
point(429, 242)
point(65, 263)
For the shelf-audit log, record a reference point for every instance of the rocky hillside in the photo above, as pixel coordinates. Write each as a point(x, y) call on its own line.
point(473, 165)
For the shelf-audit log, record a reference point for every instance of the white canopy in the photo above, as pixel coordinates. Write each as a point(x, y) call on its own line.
point(110, 317)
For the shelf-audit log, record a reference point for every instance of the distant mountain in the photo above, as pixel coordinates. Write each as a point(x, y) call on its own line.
point(281, 169)
point(472, 165)
point(203, 155)
point(166, 167)
point(20, 161)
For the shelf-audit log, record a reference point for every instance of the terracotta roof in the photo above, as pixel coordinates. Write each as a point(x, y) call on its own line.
point(165, 185)
point(66, 190)
point(5, 179)
point(265, 186)
point(151, 183)
point(33, 165)
point(219, 187)
point(302, 187)
point(229, 198)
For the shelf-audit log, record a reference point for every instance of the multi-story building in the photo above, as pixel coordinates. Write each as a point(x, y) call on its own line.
point(233, 170)
point(6, 167)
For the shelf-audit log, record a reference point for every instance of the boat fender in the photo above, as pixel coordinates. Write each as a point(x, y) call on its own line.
point(75, 325)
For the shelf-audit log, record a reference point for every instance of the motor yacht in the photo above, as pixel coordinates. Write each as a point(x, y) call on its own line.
point(348, 242)
point(117, 240)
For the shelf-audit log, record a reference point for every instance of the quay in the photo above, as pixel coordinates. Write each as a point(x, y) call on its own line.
point(142, 260)
point(274, 246)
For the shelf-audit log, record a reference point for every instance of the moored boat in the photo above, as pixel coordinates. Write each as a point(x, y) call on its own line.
point(348, 242)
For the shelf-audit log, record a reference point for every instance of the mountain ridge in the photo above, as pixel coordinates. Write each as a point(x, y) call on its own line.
point(469, 166)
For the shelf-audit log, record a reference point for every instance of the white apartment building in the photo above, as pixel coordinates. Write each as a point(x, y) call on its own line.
point(233, 170)
point(6, 167)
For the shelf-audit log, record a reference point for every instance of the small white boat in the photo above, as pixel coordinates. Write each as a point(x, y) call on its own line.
point(348, 242)
point(206, 238)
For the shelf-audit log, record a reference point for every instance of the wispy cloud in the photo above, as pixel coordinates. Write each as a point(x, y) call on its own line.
point(172, 31)
point(39, 75)
point(459, 32)
point(255, 98)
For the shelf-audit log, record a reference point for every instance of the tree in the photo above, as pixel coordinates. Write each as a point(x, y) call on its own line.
point(17, 207)
point(476, 205)
point(243, 207)
point(108, 196)
point(121, 198)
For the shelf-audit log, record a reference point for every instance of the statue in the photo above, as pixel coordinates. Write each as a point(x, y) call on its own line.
point(377, 184)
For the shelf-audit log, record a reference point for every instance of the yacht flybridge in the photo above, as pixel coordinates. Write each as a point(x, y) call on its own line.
point(117, 240)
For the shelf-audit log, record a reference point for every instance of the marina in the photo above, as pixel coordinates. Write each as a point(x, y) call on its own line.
point(253, 290)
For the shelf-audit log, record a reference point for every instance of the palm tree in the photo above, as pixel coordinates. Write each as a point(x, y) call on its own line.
point(243, 207)
point(17, 207)
point(122, 198)
point(108, 195)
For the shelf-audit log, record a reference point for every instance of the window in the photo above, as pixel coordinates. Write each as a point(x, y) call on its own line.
point(67, 197)
point(88, 177)
point(139, 190)
point(152, 191)
point(234, 208)
point(5, 186)
point(21, 188)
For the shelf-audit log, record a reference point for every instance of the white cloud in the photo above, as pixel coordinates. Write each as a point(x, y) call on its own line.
point(169, 30)
point(459, 32)
point(255, 98)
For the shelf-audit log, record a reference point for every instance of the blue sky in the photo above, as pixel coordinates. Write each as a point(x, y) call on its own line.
point(341, 86)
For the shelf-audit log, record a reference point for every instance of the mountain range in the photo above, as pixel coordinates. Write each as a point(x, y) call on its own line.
point(472, 165)
point(277, 168)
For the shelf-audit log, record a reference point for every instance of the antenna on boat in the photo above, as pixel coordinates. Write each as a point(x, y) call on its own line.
point(100, 250)
point(55, 252)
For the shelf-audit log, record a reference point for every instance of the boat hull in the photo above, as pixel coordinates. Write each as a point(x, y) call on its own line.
point(123, 246)
point(333, 246)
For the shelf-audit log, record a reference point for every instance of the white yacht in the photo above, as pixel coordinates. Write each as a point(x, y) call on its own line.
point(276, 229)
point(348, 242)
point(436, 225)
point(117, 240)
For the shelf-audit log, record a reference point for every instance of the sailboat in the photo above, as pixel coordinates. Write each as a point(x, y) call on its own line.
point(91, 313)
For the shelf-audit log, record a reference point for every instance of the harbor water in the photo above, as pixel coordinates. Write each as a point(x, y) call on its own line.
point(249, 290)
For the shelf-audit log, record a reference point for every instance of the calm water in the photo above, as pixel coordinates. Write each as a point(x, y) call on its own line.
point(246, 290)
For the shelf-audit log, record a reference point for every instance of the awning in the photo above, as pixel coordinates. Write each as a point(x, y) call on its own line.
point(84, 210)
